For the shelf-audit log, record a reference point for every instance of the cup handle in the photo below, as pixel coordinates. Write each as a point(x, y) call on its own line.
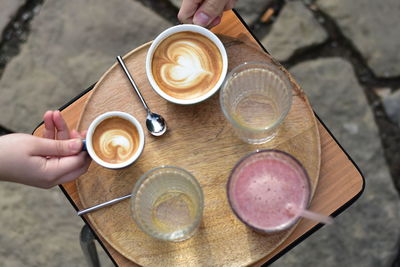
point(84, 147)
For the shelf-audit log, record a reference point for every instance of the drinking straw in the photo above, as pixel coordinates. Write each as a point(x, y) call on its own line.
point(309, 214)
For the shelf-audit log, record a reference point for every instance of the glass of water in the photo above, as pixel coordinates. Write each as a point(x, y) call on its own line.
point(167, 203)
point(255, 98)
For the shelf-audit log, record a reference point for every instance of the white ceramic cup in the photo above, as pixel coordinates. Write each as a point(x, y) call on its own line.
point(91, 131)
point(182, 28)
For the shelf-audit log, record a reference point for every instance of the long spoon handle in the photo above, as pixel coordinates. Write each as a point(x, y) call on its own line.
point(128, 74)
point(102, 205)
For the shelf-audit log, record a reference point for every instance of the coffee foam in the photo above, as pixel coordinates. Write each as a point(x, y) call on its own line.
point(186, 65)
point(115, 140)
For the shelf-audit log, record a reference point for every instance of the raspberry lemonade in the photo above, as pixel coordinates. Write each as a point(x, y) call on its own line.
point(268, 189)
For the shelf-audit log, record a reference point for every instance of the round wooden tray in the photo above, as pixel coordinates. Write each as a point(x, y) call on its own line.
point(200, 140)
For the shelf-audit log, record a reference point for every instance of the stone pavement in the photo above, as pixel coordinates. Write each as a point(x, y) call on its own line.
point(344, 54)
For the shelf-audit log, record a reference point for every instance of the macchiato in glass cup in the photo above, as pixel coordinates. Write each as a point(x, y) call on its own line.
point(186, 64)
point(115, 139)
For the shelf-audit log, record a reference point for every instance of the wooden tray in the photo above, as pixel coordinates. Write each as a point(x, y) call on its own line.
point(200, 140)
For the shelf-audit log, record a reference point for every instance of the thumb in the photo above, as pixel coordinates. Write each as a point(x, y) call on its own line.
point(48, 147)
point(208, 11)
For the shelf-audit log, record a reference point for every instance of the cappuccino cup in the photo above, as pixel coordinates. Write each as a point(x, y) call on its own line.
point(186, 64)
point(115, 140)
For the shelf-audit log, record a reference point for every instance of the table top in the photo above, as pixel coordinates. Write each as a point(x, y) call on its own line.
point(340, 181)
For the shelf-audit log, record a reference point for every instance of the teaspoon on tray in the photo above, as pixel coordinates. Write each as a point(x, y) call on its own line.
point(102, 205)
point(154, 122)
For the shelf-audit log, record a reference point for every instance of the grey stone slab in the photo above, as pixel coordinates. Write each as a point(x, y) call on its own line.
point(7, 11)
point(295, 28)
point(39, 228)
point(391, 103)
point(372, 26)
point(366, 234)
point(71, 44)
point(249, 10)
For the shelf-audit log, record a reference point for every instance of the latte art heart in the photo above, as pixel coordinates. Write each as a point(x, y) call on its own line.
point(115, 140)
point(186, 65)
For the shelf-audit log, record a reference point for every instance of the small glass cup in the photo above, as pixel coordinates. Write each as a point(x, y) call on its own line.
point(167, 203)
point(255, 98)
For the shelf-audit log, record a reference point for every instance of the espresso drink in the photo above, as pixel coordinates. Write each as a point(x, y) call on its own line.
point(186, 65)
point(115, 140)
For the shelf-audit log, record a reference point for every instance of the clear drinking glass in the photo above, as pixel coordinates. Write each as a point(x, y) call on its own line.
point(167, 203)
point(255, 98)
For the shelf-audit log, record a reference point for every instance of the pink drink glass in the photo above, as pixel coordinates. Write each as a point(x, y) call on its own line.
point(261, 187)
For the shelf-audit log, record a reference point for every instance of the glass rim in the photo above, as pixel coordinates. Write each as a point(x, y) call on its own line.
point(283, 78)
point(247, 157)
point(145, 175)
point(198, 214)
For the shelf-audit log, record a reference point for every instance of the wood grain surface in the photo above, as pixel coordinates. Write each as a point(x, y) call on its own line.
point(340, 182)
point(200, 140)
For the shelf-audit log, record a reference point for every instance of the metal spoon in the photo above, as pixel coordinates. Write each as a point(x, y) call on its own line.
point(102, 205)
point(154, 122)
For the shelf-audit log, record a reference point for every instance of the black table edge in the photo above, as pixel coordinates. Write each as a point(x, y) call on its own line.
point(286, 249)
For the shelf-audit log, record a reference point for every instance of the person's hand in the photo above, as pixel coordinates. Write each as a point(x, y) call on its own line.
point(206, 13)
point(43, 162)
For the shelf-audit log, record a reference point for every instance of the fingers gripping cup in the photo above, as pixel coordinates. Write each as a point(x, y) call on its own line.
point(267, 190)
point(115, 140)
point(186, 64)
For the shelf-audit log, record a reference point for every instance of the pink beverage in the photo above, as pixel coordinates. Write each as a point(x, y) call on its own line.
point(268, 189)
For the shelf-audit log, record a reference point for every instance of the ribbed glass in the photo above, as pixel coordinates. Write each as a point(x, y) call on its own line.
point(255, 98)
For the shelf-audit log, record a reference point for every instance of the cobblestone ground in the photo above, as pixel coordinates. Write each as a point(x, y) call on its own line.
point(344, 54)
